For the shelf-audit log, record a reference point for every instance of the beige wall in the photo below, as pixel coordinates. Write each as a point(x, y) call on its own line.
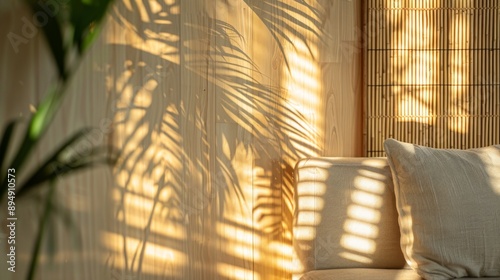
point(212, 103)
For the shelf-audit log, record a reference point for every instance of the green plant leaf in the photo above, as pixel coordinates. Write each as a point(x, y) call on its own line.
point(45, 113)
point(59, 165)
point(36, 127)
point(53, 33)
point(43, 168)
point(41, 231)
point(4, 144)
point(85, 16)
point(56, 169)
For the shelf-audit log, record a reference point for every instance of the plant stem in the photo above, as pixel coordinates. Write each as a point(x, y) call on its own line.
point(41, 231)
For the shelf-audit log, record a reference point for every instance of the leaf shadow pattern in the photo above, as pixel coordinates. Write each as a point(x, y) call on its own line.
point(192, 117)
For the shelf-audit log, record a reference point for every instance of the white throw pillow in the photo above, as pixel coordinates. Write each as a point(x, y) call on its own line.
point(448, 203)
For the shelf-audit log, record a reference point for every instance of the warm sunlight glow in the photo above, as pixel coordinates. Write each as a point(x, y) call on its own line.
point(236, 272)
point(368, 184)
point(459, 60)
point(240, 235)
point(316, 188)
point(358, 244)
point(311, 203)
point(244, 251)
point(412, 107)
point(355, 257)
point(309, 218)
point(417, 69)
point(140, 204)
point(361, 228)
point(281, 248)
point(117, 243)
point(366, 199)
point(303, 86)
point(304, 232)
point(319, 173)
point(160, 44)
point(210, 120)
point(362, 213)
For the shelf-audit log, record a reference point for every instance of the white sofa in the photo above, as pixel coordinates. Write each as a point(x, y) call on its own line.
point(346, 222)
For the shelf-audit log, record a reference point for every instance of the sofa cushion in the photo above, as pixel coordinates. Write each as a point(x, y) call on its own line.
point(370, 274)
point(361, 273)
point(449, 209)
point(345, 215)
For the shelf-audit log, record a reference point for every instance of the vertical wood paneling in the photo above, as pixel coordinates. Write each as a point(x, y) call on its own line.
point(342, 74)
point(211, 104)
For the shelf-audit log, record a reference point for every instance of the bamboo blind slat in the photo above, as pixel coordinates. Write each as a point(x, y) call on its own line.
point(433, 73)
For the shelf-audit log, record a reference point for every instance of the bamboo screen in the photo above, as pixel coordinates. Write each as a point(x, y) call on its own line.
point(432, 72)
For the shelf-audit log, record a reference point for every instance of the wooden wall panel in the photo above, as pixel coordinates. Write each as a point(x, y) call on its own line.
point(211, 104)
point(342, 72)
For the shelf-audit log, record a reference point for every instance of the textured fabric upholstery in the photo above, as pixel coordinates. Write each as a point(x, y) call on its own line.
point(449, 209)
point(371, 274)
point(362, 273)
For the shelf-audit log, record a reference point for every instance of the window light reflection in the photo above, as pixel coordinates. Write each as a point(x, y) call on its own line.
point(366, 199)
point(355, 257)
point(305, 233)
point(309, 218)
point(304, 188)
point(240, 235)
point(236, 272)
point(311, 203)
point(115, 243)
point(368, 184)
point(362, 213)
point(358, 244)
point(361, 228)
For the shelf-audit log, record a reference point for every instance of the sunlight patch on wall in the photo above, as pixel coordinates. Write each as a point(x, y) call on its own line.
point(236, 272)
point(459, 70)
point(304, 233)
point(126, 32)
point(311, 203)
point(244, 251)
point(417, 68)
point(304, 92)
point(240, 235)
point(145, 199)
point(283, 250)
point(117, 243)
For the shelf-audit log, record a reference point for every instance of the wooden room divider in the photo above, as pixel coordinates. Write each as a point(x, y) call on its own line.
point(432, 73)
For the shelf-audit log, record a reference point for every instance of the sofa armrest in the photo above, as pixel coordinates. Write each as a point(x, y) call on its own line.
point(345, 215)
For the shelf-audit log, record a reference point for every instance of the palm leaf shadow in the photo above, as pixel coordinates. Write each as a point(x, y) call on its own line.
point(260, 110)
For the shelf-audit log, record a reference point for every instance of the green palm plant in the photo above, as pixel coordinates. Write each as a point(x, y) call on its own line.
point(70, 28)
